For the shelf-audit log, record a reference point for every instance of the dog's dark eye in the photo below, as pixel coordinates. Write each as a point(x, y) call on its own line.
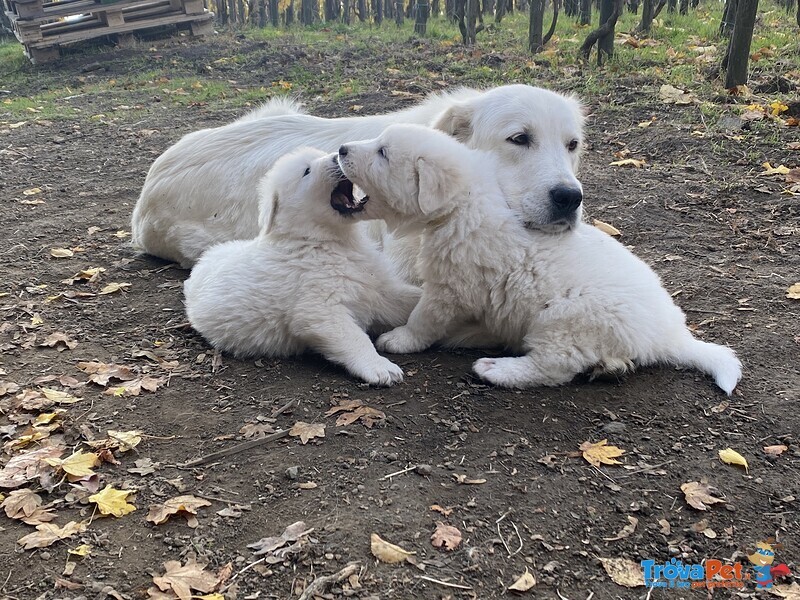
point(520, 139)
point(572, 146)
point(307, 171)
point(382, 152)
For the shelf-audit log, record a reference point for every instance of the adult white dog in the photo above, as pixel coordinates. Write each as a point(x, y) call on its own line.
point(202, 190)
point(568, 297)
point(310, 280)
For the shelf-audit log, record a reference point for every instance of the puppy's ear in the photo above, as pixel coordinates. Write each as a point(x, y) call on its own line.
point(433, 189)
point(268, 208)
point(456, 121)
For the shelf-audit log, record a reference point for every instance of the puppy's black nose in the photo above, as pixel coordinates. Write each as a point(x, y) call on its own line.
point(342, 150)
point(565, 199)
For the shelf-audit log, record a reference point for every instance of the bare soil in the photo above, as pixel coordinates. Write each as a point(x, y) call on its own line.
point(725, 241)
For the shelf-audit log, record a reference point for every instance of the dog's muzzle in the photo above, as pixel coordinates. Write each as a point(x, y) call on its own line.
point(342, 198)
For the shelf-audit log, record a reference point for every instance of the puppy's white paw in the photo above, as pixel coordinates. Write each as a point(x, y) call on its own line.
point(503, 372)
point(399, 341)
point(380, 371)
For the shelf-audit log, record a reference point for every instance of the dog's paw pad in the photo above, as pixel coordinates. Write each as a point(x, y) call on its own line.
point(398, 341)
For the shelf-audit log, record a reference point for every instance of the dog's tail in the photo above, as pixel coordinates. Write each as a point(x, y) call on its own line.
point(275, 107)
point(720, 362)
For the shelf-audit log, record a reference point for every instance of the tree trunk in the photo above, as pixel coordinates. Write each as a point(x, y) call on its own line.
point(797, 14)
point(728, 17)
point(232, 19)
point(605, 45)
point(222, 9)
point(738, 53)
point(488, 7)
point(377, 12)
point(586, 12)
point(684, 7)
point(346, 12)
point(306, 12)
point(262, 13)
point(535, 26)
point(672, 5)
point(398, 12)
point(633, 6)
point(552, 30)
point(570, 8)
point(473, 9)
point(500, 11)
point(647, 17)
point(606, 29)
point(510, 7)
point(289, 14)
point(241, 15)
point(421, 17)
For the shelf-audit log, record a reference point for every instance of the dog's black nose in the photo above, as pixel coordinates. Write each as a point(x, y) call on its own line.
point(342, 150)
point(565, 199)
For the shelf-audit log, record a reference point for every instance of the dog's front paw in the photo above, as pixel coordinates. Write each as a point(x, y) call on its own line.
point(400, 341)
point(503, 372)
point(380, 371)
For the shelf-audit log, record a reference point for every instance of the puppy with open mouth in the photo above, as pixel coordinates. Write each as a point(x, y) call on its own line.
point(311, 280)
point(567, 298)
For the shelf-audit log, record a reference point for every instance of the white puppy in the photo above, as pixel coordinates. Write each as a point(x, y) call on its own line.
point(568, 300)
point(311, 280)
point(202, 190)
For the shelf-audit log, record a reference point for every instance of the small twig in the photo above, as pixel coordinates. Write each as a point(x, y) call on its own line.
point(178, 326)
point(234, 449)
point(444, 583)
point(502, 539)
point(560, 595)
point(284, 408)
point(316, 587)
point(248, 567)
point(406, 470)
point(590, 596)
point(5, 583)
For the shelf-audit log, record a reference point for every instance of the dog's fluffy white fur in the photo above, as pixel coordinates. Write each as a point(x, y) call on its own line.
point(310, 280)
point(567, 301)
point(202, 190)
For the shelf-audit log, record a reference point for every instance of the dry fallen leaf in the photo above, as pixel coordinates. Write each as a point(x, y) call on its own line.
point(623, 571)
point(600, 453)
point(78, 465)
point(444, 511)
point(49, 533)
point(292, 533)
point(113, 502)
point(182, 579)
point(524, 582)
point(117, 440)
point(666, 529)
point(462, 479)
point(731, 457)
point(306, 431)
point(59, 397)
point(256, 430)
point(101, 373)
point(61, 253)
point(672, 95)
point(8, 387)
point(185, 505)
point(698, 495)
point(606, 228)
point(776, 450)
point(625, 531)
point(770, 170)
point(629, 162)
point(445, 536)
point(786, 591)
point(112, 288)
point(793, 293)
point(27, 466)
point(134, 387)
point(26, 506)
point(387, 552)
point(83, 550)
point(59, 341)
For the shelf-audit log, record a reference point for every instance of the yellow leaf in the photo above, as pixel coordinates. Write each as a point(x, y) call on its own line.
point(49, 533)
point(82, 550)
point(122, 234)
point(778, 107)
point(61, 252)
point(44, 418)
point(214, 596)
point(32, 191)
point(770, 170)
point(600, 453)
point(112, 288)
point(629, 162)
point(606, 228)
point(524, 582)
point(59, 397)
point(79, 464)
point(793, 293)
point(113, 502)
point(36, 320)
point(386, 552)
point(732, 457)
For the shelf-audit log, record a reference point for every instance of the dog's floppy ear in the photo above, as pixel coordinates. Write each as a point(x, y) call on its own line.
point(456, 121)
point(432, 181)
point(271, 209)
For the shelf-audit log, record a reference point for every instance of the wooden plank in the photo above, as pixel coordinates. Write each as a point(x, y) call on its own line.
point(77, 36)
point(42, 55)
point(112, 18)
point(64, 9)
point(193, 7)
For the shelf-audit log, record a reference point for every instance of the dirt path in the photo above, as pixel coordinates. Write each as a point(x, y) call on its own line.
point(724, 240)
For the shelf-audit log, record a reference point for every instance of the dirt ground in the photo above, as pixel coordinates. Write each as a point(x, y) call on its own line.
point(725, 241)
